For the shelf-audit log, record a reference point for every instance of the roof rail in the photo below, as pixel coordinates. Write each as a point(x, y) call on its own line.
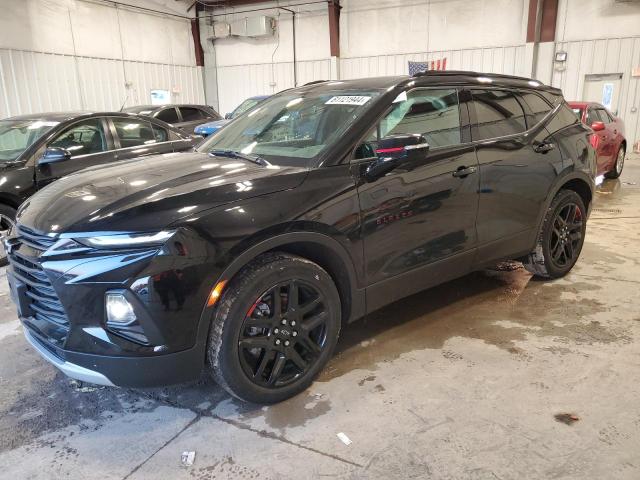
point(467, 72)
point(314, 82)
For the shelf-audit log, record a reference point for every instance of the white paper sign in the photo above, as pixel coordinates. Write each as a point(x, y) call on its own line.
point(348, 100)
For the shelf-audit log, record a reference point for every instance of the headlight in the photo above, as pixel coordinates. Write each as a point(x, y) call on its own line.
point(128, 239)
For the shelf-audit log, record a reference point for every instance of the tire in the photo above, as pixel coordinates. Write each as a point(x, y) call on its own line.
point(7, 219)
point(616, 171)
point(252, 331)
point(550, 258)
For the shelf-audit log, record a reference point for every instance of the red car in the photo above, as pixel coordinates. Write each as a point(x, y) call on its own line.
point(608, 136)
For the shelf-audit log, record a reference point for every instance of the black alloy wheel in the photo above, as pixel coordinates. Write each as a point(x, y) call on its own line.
point(560, 238)
point(566, 235)
point(274, 328)
point(283, 334)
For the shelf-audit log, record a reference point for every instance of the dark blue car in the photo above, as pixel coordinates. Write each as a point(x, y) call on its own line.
point(208, 128)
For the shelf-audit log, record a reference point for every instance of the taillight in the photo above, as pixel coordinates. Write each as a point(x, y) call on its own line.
point(593, 140)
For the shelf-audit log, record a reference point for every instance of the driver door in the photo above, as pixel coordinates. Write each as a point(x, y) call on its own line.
point(419, 219)
point(88, 144)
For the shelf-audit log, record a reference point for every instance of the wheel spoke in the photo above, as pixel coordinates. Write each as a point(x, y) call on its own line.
point(266, 358)
point(278, 365)
point(569, 251)
point(308, 307)
point(311, 323)
point(254, 342)
point(292, 302)
point(277, 302)
point(258, 322)
point(295, 357)
point(308, 344)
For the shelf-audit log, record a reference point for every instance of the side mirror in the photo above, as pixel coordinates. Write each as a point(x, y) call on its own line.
point(227, 116)
point(394, 150)
point(54, 155)
point(597, 126)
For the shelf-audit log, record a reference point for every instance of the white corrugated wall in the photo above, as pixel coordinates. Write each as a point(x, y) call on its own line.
point(237, 82)
point(509, 60)
point(606, 56)
point(58, 55)
point(32, 82)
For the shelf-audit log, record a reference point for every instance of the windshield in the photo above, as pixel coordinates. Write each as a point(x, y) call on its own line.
point(292, 128)
point(578, 112)
point(245, 106)
point(18, 135)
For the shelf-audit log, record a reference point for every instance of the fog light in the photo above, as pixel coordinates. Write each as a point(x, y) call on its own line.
point(119, 310)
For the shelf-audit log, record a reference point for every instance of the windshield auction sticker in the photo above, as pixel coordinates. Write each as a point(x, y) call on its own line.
point(348, 100)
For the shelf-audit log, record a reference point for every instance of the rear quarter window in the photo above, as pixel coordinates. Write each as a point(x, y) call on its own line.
point(498, 113)
point(538, 107)
point(564, 118)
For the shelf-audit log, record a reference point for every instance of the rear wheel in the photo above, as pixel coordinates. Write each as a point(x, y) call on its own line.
point(561, 237)
point(274, 329)
point(7, 219)
point(616, 171)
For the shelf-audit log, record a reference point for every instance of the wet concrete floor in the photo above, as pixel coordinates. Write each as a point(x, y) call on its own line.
point(492, 376)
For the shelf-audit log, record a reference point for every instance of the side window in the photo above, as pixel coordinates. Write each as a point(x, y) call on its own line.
point(604, 116)
point(592, 116)
point(433, 114)
point(169, 115)
point(538, 108)
point(82, 138)
point(133, 132)
point(190, 114)
point(562, 119)
point(498, 113)
point(159, 133)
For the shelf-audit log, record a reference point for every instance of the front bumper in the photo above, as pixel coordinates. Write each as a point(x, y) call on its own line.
point(60, 300)
point(71, 370)
point(135, 372)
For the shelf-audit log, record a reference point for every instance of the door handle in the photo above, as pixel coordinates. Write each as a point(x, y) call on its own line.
point(462, 172)
point(544, 147)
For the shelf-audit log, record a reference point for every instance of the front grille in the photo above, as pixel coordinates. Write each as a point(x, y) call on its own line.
point(34, 240)
point(42, 302)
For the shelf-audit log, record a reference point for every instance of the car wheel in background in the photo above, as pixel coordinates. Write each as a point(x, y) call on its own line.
point(561, 237)
point(7, 218)
point(616, 171)
point(274, 328)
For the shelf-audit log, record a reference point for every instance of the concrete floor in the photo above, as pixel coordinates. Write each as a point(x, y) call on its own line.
point(469, 380)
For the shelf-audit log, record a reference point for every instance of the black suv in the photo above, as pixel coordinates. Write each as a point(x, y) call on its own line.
point(40, 148)
point(326, 202)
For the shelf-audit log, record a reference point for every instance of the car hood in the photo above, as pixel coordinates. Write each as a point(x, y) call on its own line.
point(150, 193)
point(212, 126)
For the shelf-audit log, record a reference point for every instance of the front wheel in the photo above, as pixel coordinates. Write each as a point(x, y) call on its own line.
point(7, 219)
point(616, 171)
point(561, 237)
point(274, 329)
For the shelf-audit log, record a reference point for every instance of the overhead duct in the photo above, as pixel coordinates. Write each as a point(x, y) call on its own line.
point(261, 26)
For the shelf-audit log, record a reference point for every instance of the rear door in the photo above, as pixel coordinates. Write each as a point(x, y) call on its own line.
point(422, 214)
point(516, 175)
point(89, 143)
point(136, 137)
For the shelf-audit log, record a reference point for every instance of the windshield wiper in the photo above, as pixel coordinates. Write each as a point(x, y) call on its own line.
point(258, 160)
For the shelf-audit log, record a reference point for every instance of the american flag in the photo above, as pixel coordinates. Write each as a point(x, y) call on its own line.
point(417, 67)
